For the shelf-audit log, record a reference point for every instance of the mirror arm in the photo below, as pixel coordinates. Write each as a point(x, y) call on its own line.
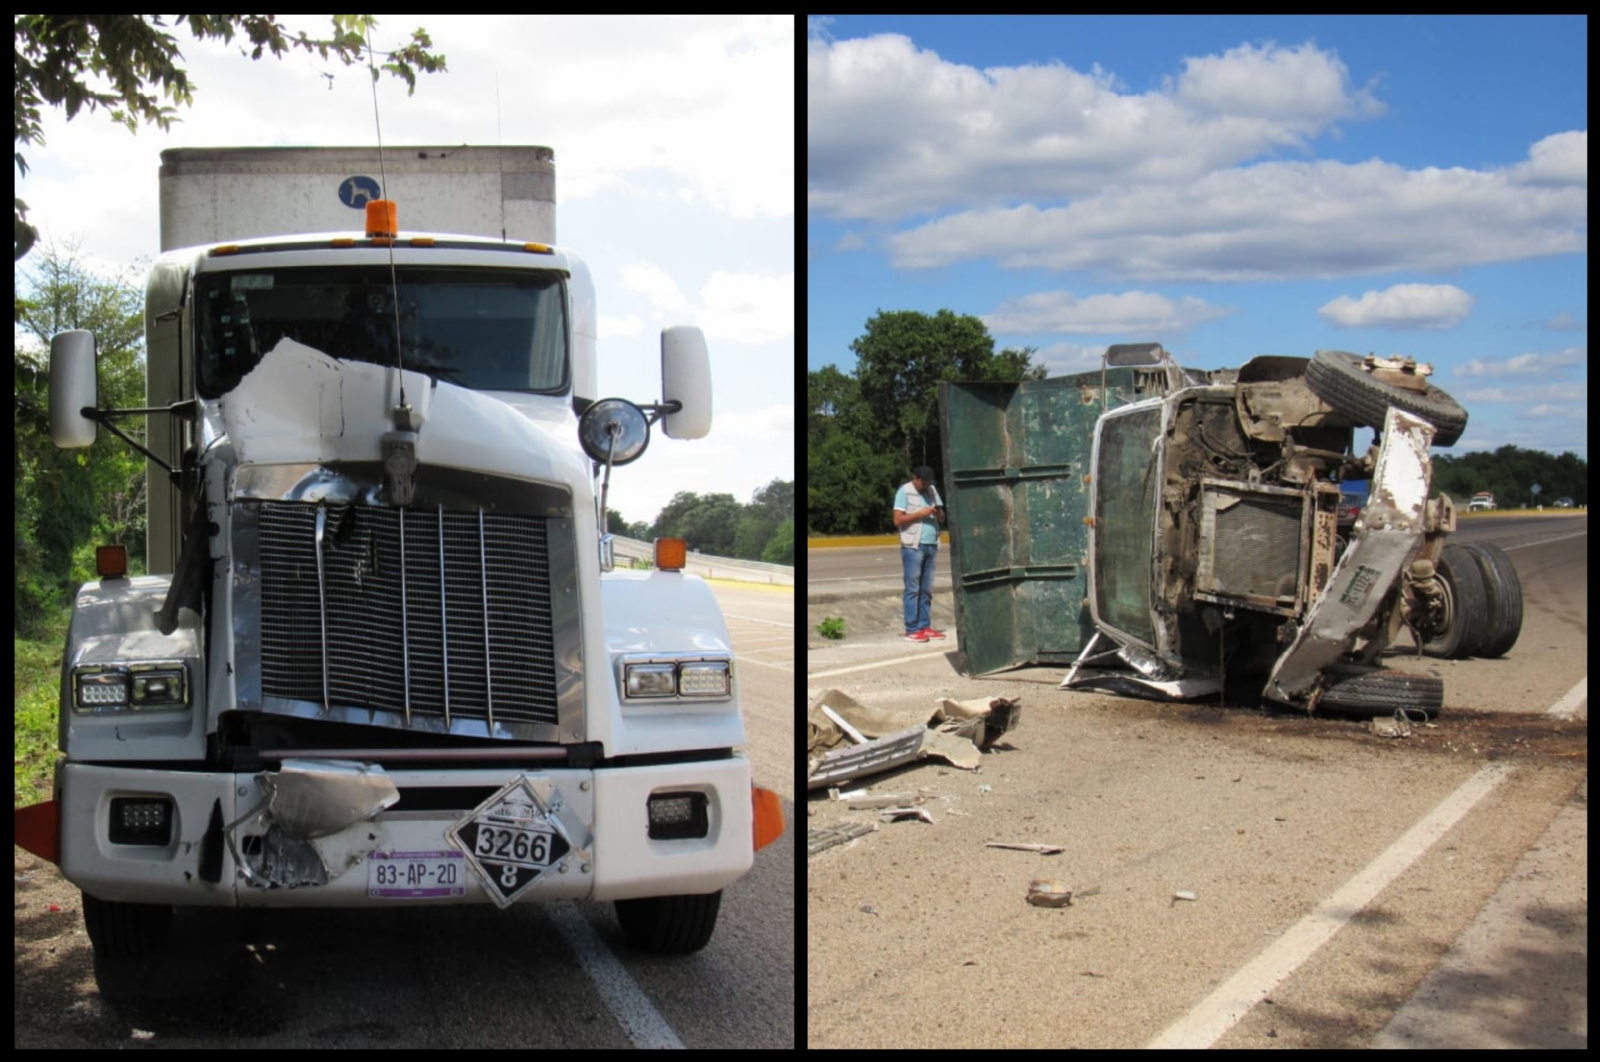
point(186, 410)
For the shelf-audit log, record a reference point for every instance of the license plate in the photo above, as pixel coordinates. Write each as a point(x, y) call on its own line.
point(416, 875)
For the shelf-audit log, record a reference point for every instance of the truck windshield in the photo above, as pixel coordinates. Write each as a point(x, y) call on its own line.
point(492, 330)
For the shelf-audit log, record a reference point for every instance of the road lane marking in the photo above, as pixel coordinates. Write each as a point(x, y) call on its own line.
point(629, 1005)
point(1567, 707)
point(1223, 1008)
point(1547, 541)
point(869, 667)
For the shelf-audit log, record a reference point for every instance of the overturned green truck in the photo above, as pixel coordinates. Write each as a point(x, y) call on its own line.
point(1160, 530)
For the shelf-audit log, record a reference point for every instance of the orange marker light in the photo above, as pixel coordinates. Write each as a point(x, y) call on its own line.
point(111, 561)
point(671, 554)
point(381, 217)
point(768, 816)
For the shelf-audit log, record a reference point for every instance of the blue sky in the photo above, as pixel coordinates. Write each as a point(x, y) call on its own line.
point(1225, 186)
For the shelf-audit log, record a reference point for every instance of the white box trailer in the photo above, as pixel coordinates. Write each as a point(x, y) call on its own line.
point(382, 656)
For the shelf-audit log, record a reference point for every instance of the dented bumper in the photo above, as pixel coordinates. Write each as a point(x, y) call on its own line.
point(311, 834)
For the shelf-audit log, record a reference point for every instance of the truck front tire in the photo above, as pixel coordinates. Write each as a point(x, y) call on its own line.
point(670, 925)
point(125, 930)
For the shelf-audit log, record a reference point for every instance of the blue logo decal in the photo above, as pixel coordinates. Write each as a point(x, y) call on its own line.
point(356, 192)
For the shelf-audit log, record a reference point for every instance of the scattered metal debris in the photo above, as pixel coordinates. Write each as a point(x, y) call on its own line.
point(1042, 849)
point(819, 840)
point(1044, 893)
point(851, 740)
point(896, 814)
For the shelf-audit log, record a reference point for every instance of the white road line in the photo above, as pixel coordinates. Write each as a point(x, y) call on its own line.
point(880, 663)
point(1222, 1009)
point(1547, 541)
point(1567, 707)
point(758, 619)
point(763, 663)
point(629, 1005)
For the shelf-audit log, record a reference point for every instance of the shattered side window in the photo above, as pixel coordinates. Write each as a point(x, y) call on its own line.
point(1124, 527)
point(492, 330)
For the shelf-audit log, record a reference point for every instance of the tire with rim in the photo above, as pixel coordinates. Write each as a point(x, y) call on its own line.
point(1376, 691)
point(1466, 607)
point(1504, 592)
point(1337, 377)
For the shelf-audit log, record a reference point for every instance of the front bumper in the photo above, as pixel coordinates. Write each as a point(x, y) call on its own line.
point(621, 862)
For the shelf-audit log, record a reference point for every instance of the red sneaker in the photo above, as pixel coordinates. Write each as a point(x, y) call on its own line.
point(931, 633)
point(917, 636)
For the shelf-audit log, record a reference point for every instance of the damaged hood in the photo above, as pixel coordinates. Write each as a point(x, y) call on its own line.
point(300, 405)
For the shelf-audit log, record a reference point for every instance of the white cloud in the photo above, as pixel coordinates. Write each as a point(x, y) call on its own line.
point(894, 130)
point(1402, 306)
point(742, 307)
point(774, 423)
point(748, 307)
point(1523, 364)
point(1131, 312)
point(1274, 220)
point(653, 282)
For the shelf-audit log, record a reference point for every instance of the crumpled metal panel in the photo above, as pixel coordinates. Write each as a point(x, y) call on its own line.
point(1016, 456)
point(314, 823)
point(1387, 538)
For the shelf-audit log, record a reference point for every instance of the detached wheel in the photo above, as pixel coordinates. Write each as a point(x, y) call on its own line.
point(670, 925)
point(125, 930)
point(1466, 607)
point(1377, 691)
point(1340, 379)
point(1503, 591)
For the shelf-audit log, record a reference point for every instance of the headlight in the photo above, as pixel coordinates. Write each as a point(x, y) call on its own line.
point(698, 679)
point(708, 679)
point(151, 687)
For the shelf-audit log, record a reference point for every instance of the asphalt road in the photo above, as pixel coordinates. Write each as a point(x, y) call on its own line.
point(532, 976)
point(1348, 890)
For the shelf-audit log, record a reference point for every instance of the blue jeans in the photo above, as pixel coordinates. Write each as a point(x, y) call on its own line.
point(918, 565)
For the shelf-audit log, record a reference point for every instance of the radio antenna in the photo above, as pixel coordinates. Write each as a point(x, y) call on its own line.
point(383, 193)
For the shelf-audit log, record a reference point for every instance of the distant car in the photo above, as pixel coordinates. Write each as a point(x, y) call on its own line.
point(1481, 501)
point(1352, 499)
point(1563, 503)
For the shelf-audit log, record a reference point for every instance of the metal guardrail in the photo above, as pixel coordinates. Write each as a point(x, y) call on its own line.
point(629, 549)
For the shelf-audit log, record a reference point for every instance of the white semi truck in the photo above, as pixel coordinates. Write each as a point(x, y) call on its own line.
point(382, 656)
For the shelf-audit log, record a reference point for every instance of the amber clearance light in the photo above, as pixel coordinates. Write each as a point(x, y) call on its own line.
point(671, 554)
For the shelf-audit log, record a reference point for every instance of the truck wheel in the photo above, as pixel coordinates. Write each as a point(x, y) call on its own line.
point(1339, 379)
point(1377, 691)
point(1504, 592)
point(670, 925)
point(125, 930)
point(1466, 607)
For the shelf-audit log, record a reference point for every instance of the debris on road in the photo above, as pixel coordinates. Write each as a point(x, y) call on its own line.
point(1042, 849)
point(1185, 894)
point(1044, 893)
point(884, 740)
point(820, 840)
point(896, 814)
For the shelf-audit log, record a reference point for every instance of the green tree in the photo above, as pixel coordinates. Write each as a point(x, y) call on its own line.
point(127, 64)
point(67, 500)
point(769, 507)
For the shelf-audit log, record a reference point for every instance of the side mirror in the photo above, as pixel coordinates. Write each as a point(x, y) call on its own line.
point(686, 378)
point(72, 387)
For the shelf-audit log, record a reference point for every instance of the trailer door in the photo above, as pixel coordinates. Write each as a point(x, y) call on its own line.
point(1016, 457)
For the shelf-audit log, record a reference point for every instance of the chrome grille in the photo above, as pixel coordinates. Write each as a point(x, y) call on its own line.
point(425, 613)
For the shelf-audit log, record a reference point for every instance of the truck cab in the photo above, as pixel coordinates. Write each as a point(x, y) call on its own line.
point(384, 657)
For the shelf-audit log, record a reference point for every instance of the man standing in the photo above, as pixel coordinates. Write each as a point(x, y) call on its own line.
point(918, 511)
